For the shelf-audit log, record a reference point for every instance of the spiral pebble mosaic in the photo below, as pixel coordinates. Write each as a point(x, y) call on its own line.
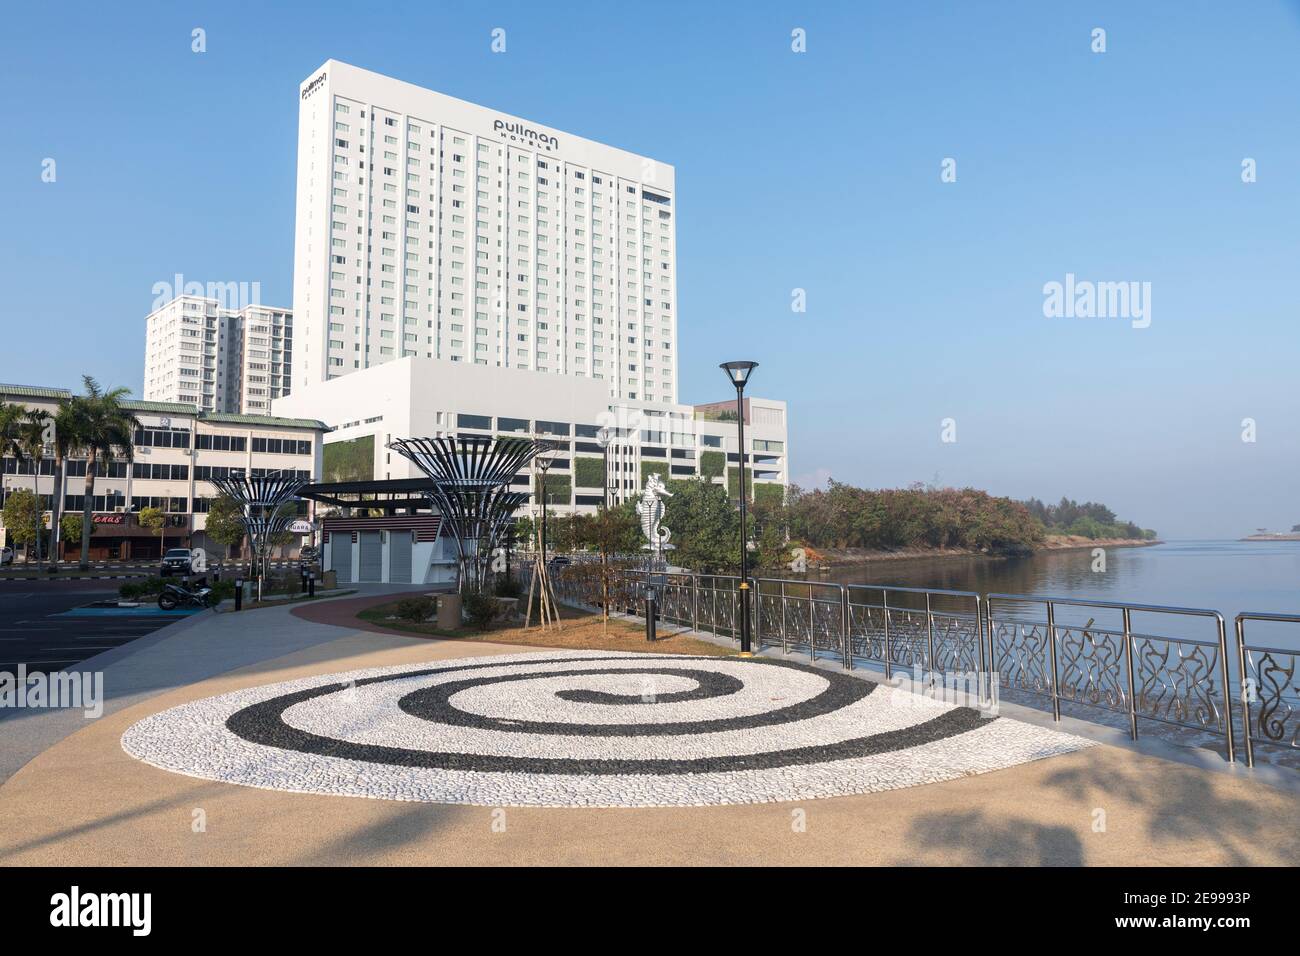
point(585, 729)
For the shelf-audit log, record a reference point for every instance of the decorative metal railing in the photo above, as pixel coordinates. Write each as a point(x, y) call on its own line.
point(1040, 646)
point(1130, 660)
point(939, 631)
point(1270, 689)
point(800, 616)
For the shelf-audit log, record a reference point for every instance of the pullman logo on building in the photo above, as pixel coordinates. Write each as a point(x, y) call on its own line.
point(521, 133)
point(313, 86)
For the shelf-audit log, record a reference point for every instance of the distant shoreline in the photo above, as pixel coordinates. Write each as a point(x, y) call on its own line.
point(1288, 536)
point(851, 557)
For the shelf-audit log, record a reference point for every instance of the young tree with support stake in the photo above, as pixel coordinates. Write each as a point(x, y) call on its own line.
point(611, 532)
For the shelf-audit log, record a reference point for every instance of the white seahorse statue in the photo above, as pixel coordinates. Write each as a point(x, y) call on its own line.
point(651, 510)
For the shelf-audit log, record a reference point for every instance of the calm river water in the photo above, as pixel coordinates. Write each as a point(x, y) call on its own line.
point(1227, 576)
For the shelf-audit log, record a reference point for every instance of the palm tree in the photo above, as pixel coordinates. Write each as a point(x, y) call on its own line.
point(11, 446)
point(32, 429)
point(103, 428)
point(67, 441)
point(11, 418)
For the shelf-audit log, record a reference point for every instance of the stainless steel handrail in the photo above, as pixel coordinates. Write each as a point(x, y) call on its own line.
point(1250, 689)
point(830, 609)
point(1127, 609)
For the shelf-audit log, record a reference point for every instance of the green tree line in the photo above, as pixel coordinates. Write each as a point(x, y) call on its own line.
point(1090, 519)
point(844, 516)
point(705, 523)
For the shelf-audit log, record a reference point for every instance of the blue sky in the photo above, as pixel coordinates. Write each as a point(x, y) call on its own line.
point(818, 171)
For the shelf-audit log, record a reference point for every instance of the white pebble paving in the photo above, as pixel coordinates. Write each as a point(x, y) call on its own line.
point(193, 739)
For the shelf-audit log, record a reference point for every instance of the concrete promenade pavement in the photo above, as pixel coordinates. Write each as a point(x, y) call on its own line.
point(197, 647)
point(80, 800)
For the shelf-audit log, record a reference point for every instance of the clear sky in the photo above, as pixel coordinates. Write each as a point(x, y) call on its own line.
point(818, 171)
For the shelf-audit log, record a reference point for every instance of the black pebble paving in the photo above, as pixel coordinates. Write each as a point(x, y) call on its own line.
point(263, 724)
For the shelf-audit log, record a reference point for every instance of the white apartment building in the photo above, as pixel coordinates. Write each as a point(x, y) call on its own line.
point(178, 449)
point(223, 360)
point(429, 227)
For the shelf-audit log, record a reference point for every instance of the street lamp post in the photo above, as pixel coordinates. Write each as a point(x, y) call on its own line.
point(738, 373)
point(162, 531)
point(603, 437)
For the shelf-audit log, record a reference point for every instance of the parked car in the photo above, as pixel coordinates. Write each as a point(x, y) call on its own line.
point(6, 556)
point(560, 561)
point(308, 554)
point(176, 561)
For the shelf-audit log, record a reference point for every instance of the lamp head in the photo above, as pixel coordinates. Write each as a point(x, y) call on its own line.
point(738, 372)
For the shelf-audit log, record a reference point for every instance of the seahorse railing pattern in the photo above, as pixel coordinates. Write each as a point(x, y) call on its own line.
point(1180, 681)
point(1270, 687)
point(883, 631)
point(1091, 663)
point(676, 595)
point(800, 616)
point(1019, 657)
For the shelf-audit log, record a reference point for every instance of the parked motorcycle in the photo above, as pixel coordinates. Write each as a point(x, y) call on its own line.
point(174, 596)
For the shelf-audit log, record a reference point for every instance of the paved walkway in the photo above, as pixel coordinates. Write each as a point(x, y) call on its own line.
point(82, 801)
point(168, 658)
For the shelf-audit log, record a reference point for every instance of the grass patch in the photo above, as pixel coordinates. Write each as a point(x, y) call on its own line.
point(580, 631)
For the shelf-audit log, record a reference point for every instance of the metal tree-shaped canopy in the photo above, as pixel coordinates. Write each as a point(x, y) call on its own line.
point(262, 500)
point(471, 478)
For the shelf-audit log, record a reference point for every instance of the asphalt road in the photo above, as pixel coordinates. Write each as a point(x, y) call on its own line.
point(37, 630)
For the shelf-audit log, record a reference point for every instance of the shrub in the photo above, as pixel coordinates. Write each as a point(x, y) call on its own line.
point(223, 591)
point(480, 607)
point(135, 590)
point(508, 586)
point(416, 610)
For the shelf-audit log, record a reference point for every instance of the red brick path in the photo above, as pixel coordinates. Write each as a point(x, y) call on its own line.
point(343, 613)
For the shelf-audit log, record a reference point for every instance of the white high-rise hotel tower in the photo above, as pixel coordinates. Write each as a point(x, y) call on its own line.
point(460, 271)
point(431, 227)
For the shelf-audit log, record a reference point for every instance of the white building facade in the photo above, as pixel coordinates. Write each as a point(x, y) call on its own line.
point(439, 398)
point(220, 360)
point(433, 228)
point(178, 449)
point(460, 271)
